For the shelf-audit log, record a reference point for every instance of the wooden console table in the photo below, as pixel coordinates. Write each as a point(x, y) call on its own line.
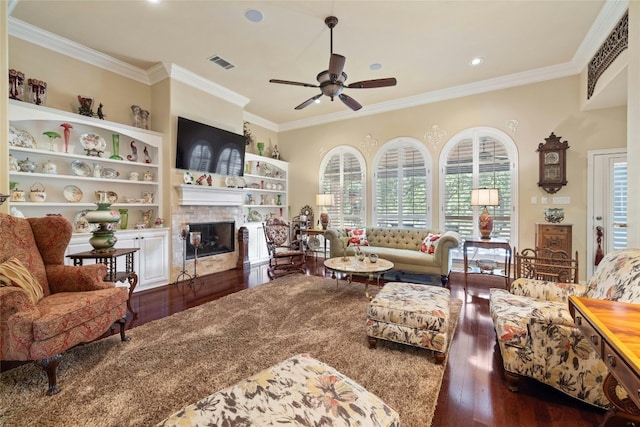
point(110, 260)
point(612, 329)
point(487, 244)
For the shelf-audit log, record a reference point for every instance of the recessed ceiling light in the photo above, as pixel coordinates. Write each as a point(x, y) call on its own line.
point(476, 61)
point(253, 15)
point(155, 1)
point(375, 66)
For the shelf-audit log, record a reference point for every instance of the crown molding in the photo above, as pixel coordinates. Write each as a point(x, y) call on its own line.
point(47, 40)
point(257, 120)
point(165, 70)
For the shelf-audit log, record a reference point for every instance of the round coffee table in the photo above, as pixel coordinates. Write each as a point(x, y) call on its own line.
point(352, 266)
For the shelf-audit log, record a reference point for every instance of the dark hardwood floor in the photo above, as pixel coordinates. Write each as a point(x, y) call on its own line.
point(473, 391)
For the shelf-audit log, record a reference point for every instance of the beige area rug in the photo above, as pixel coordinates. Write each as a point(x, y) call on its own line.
point(178, 360)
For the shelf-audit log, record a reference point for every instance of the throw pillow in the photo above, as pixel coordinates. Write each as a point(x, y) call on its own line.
point(14, 273)
point(357, 236)
point(430, 243)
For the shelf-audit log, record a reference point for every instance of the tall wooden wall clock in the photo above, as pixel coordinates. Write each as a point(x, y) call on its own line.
point(553, 163)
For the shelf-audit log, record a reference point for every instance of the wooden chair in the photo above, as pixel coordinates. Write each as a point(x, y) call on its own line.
point(546, 264)
point(285, 257)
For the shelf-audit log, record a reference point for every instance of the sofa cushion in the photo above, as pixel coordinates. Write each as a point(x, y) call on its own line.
point(13, 273)
point(430, 243)
point(357, 236)
point(63, 311)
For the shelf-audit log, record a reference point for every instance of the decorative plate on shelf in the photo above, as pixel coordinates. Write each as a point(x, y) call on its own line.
point(93, 143)
point(231, 182)
point(255, 216)
point(80, 168)
point(21, 138)
point(72, 193)
point(109, 173)
point(314, 243)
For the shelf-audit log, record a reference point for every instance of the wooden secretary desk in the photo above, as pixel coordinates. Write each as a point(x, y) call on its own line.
point(554, 236)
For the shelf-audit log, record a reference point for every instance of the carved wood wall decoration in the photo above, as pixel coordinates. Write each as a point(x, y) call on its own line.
point(617, 41)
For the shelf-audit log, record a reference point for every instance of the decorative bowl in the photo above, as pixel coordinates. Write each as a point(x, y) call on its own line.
point(554, 215)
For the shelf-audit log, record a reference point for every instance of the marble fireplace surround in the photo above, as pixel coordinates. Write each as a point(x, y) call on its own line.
point(200, 204)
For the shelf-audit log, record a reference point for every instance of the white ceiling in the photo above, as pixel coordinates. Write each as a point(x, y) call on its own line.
point(426, 45)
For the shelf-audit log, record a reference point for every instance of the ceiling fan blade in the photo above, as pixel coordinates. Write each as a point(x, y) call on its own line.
point(288, 82)
point(350, 102)
point(368, 84)
point(336, 65)
point(308, 102)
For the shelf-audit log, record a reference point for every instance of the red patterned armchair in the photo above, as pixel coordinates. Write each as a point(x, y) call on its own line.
point(47, 307)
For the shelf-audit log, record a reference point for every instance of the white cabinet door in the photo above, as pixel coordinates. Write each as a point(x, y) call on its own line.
point(154, 258)
point(257, 244)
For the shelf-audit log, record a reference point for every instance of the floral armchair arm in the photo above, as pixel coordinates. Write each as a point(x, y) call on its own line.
point(66, 278)
point(547, 291)
point(17, 313)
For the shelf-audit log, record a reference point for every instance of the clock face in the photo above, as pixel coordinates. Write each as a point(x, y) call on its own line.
point(551, 158)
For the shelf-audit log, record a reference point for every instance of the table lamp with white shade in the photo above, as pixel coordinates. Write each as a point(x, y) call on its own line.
point(485, 197)
point(324, 200)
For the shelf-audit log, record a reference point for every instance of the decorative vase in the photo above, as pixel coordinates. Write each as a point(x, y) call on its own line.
point(124, 218)
point(103, 238)
point(115, 139)
point(66, 127)
point(260, 146)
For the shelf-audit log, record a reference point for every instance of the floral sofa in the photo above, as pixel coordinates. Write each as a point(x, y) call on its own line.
point(47, 307)
point(420, 251)
point(298, 391)
point(537, 336)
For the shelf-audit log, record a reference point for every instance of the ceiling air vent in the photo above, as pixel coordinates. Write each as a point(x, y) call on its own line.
point(221, 62)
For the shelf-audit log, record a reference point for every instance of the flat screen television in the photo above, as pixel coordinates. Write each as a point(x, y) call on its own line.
point(205, 148)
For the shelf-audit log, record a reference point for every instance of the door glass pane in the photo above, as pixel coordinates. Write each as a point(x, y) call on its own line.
point(619, 205)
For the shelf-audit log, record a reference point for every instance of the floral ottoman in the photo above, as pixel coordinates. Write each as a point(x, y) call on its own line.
point(298, 391)
point(411, 314)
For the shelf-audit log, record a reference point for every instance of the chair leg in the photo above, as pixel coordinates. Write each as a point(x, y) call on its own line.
point(445, 281)
point(123, 322)
point(512, 381)
point(50, 366)
point(373, 342)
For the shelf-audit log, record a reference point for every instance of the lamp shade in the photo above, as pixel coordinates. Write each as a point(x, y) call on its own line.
point(324, 199)
point(485, 197)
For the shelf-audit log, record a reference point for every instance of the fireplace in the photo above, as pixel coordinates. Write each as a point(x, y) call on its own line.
point(216, 238)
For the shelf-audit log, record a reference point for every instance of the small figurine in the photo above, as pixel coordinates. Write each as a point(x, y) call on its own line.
point(275, 154)
point(101, 115)
point(147, 157)
point(144, 115)
point(201, 179)
point(209, 180)
point(13, 163)
point(134, 152)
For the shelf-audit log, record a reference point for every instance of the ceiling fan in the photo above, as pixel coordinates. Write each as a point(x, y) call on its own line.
point(332, 81)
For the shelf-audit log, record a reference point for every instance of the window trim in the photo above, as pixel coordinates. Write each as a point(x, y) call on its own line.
point(512, 149)
point(400, 142)
point(340, 150)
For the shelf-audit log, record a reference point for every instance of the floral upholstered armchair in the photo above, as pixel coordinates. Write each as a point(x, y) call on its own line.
point(47, 307)
point(538, 338)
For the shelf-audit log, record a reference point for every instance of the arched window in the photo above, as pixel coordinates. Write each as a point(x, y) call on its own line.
point(479, 158)
point(402, 185)
point(342, 173)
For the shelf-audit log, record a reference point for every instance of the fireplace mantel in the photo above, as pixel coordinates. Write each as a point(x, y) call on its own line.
point(202, 195)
